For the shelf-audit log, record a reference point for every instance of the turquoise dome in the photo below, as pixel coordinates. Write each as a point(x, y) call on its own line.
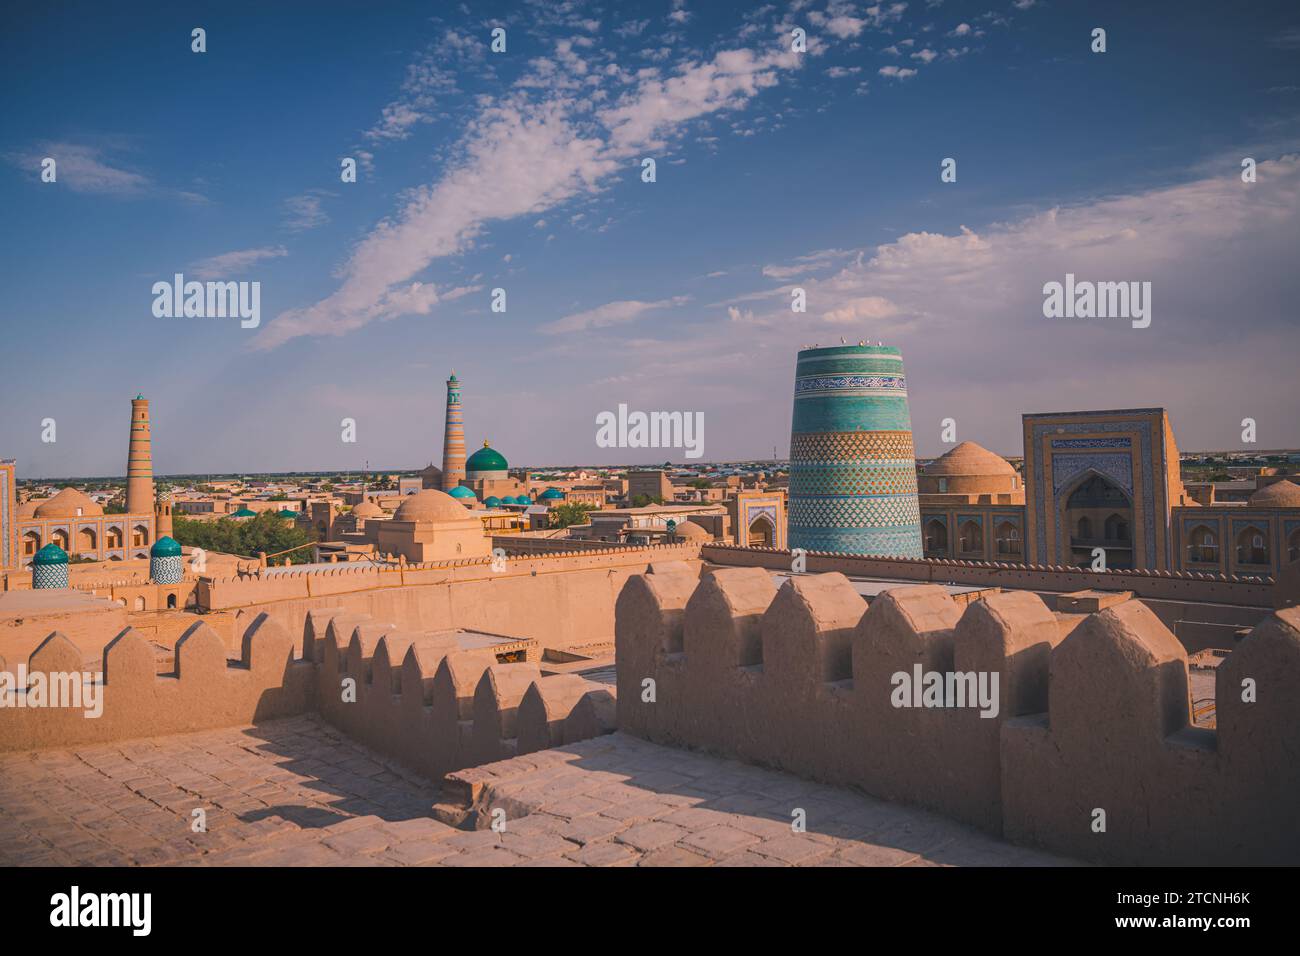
point(524, 500)
point(486, 459)
point(550, 494)
point(460, 491)
point(492, 501)
point(288, 513)
point(51, 554)
point(244, 513)
point(165, 547)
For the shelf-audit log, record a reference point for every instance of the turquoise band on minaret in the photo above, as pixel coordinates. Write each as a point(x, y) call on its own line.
point(852, 462)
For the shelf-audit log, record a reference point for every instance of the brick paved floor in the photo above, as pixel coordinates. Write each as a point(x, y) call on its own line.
point(298, 793)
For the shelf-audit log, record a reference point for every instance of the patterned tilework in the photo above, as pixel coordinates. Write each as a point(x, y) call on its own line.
point(7, 557)
point(168, 569)
point(1150, 442)
point(852, 464)
point(49, 576)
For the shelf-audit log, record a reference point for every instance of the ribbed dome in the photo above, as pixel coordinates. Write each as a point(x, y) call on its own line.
point(1280, 494)
point(165, 547)
point(368, 509)
point(68, 503)
point(430, 505)
point(460, 491)
point(969, 458)
point(51, 554)
point(690, 531)
point(486, 459)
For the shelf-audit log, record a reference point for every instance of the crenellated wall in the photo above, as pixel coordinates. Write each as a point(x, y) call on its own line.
point(204, 691)
point(1091, 718)
point(1166, 585)
point(421, 699)
point(415, 696)
point(557, 600)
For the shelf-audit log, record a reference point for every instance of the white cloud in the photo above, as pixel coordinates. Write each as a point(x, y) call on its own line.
point(925, 56)
point(537, 147)
point(88, 169)
point(235, 263)
point(305, 211)
point(961, 30)
point(814, 261)
point(895, 72)
point(611, 313)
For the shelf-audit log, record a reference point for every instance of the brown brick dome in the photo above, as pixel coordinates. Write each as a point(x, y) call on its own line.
point(1280, 494)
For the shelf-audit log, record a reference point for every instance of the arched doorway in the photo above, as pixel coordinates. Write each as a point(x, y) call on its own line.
point(1202, 546)
point(1008, 538)
point(936, 538)
point(1098, 514)
point(171, 600)
point(1252, 547)
point(761, 532)
point(31, 543)
point(113, 539)
point(60, 538)
point(86, 541)
point(971, 539)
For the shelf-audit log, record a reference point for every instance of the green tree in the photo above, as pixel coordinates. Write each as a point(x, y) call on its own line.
point(267, 532)
point(561, 516)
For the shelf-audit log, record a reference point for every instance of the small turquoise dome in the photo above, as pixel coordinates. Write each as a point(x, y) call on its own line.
point(550, 494)
point(486, 459)
point(288, 513)
point(50, 554)
point(524, 500)
point(244, 513)
point(492, 501)
point(460, 491)
point(165, 547)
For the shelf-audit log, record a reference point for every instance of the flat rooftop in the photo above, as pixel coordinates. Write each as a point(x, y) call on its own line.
point(298, 792)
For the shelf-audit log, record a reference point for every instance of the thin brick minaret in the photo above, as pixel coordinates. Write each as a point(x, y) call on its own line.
point(453, 438)
point(139, 461)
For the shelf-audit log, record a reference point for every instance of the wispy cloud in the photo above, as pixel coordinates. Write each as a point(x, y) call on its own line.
point(235, 263)
point(611, 313)
point(305, 211)
point(92, 170)
point(559, 133)
point(814, 261)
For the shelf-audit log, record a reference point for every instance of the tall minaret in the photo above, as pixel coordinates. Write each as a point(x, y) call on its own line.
point(453, 438)
point(139, 461)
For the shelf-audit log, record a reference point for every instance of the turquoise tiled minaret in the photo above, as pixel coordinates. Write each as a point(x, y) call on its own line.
point(852, 464)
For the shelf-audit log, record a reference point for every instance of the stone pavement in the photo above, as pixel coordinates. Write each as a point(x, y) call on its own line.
point(299, 793)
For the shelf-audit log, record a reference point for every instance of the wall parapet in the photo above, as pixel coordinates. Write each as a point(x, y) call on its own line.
point(414, 696)
point(1168, 585)
point(805, 678)
point(231, 592)
point(420, 698)
point(204, 691)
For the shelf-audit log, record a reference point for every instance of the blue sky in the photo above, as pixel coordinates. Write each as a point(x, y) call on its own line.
point(521, 171)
